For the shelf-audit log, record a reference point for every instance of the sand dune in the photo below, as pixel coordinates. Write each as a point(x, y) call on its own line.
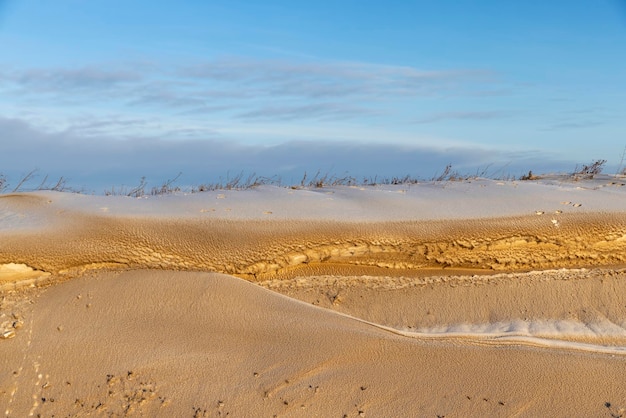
point(476, 298)
point(193, 344)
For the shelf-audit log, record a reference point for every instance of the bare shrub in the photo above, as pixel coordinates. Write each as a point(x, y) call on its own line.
point(529, 176)
point(319, 181)
point(449, 175)
point(445, 174)
point(238, 183)
point(620, 168)
point(589, 171)
point(167, 187)
point(59, 186)
point(24, 179)
point(139, 190)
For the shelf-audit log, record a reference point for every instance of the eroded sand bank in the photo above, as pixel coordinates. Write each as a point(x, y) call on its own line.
point(53, 235)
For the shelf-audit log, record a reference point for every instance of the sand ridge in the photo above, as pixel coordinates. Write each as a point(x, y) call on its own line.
point(273, 232)
point(467, 199)
point(258, 249)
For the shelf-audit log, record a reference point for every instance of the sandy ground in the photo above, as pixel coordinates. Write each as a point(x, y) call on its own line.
point(163, 307)
point(157, 343)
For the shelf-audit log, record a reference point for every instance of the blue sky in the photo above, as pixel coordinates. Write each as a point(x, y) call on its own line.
point(105, 91)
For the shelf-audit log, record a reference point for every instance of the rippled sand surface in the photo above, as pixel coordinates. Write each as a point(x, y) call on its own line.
point(476, 298)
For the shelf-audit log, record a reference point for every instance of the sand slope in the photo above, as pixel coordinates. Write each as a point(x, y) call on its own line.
point(586, 308)
point(148, 343)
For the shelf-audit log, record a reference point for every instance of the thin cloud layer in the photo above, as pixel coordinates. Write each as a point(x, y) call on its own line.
point(271, 101)
point(238, 88)
point(319, 111)
point(438, 117)
point(85, 78)
point(315, 80)
point(203, 106)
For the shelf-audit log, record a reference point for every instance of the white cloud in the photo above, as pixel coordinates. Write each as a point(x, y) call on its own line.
point(332, 79)
point(238, 89)
point(471, 115)
point(317, 111)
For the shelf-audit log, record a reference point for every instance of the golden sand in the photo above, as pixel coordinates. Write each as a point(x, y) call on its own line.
point(105, 314)
point(259, 249)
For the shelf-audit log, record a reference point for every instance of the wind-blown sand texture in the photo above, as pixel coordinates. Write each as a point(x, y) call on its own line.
point(473, 298)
